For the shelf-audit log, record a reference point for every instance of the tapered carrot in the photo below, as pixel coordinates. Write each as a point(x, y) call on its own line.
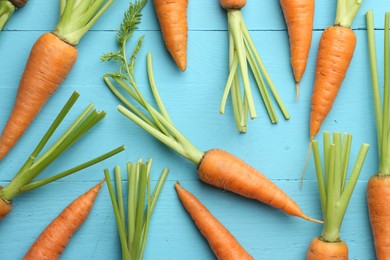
point(378, 187)
point(222, 242)
point(172, 15)
point(299, 17)
point(51, 59)
point(335, 193)
point(215, 166)
point(52, 241)
point(335, 51)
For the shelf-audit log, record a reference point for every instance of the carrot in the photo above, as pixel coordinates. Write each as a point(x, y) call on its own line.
point(52, 241)
point(172, 16)
point(378, 187)
point(7, 9)
point(335, 193)
point(215, 167)
point(37, 162)
point(243, 52)
point(320, 249)
point(51, 59)
point(335, 51)
point(221, 241)
point(299, 17)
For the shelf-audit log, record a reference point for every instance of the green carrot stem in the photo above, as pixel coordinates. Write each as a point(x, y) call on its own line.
point(119, 192)
point(346, 12)
point(229, 83)
point(334, 196)
point(7, 9)
point(119, 221)
point(39, 183)
point(132, 201)
point(261, 85)
point(253, 50)
point(234, 20)
point(153, 87)
point(320, 176)
point(69, 104)
point(158, 188)
point(384, 167)
point(77, 17)
point(375, 78)
point(238, 105)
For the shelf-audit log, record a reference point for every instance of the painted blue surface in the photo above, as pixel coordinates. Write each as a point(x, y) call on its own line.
point(192, 99)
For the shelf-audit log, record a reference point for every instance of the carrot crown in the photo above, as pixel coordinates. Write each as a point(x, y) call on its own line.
point(134, 232)
point(156, 122)
point(346, 12)
point(381, 109)
point(36, 163)
point(7, 9)
point(335, 191)
point(77, 17)
point(242, 51)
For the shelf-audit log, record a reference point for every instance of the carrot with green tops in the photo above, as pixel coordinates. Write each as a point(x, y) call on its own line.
point(172, 16)
point(299, 17)
point(335, 51)
point(221, 241)
point(52, 241)
point(7, 9)
point(51, 59)
point(243, 53)
point(215, 167)
point(37, 162)
point(335, 193)
point(378, 187)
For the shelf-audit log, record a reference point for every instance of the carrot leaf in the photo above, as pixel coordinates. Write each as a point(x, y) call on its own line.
point(140, 206)
point(242, 52)
point(7, 9)
point(335, 191)
point(36, 163)
point(77, 17)
point(346, 12)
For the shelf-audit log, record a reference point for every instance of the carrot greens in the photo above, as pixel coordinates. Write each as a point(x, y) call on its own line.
point(242, 51)
point(77, 17)
point(133, 229)
point(335, 191)
point(36, 162)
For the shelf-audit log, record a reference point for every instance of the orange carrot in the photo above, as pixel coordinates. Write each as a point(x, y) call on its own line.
point(335, 52)
point(52, 241)
point(5, 206)
point(222, 242)
point(215, 167)
point(378, 187)
point(299, 16)
point(51, 59)
point(319, 250)
point(172, 16)
point(232, 4)
point(223, 170)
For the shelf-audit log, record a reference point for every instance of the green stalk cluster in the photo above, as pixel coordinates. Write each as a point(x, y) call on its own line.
point(77, 17)
point(242, 52)
point(346, 12)
point(123, 85)
point(36, 162)
point(381, 108)
point(133, 229)
point(335, 191)
point(7, 9)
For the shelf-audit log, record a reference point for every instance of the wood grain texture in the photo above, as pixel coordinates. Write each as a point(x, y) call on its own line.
point(192, 99)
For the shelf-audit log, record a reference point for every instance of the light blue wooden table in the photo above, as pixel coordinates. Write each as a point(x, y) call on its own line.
point(192, 99)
